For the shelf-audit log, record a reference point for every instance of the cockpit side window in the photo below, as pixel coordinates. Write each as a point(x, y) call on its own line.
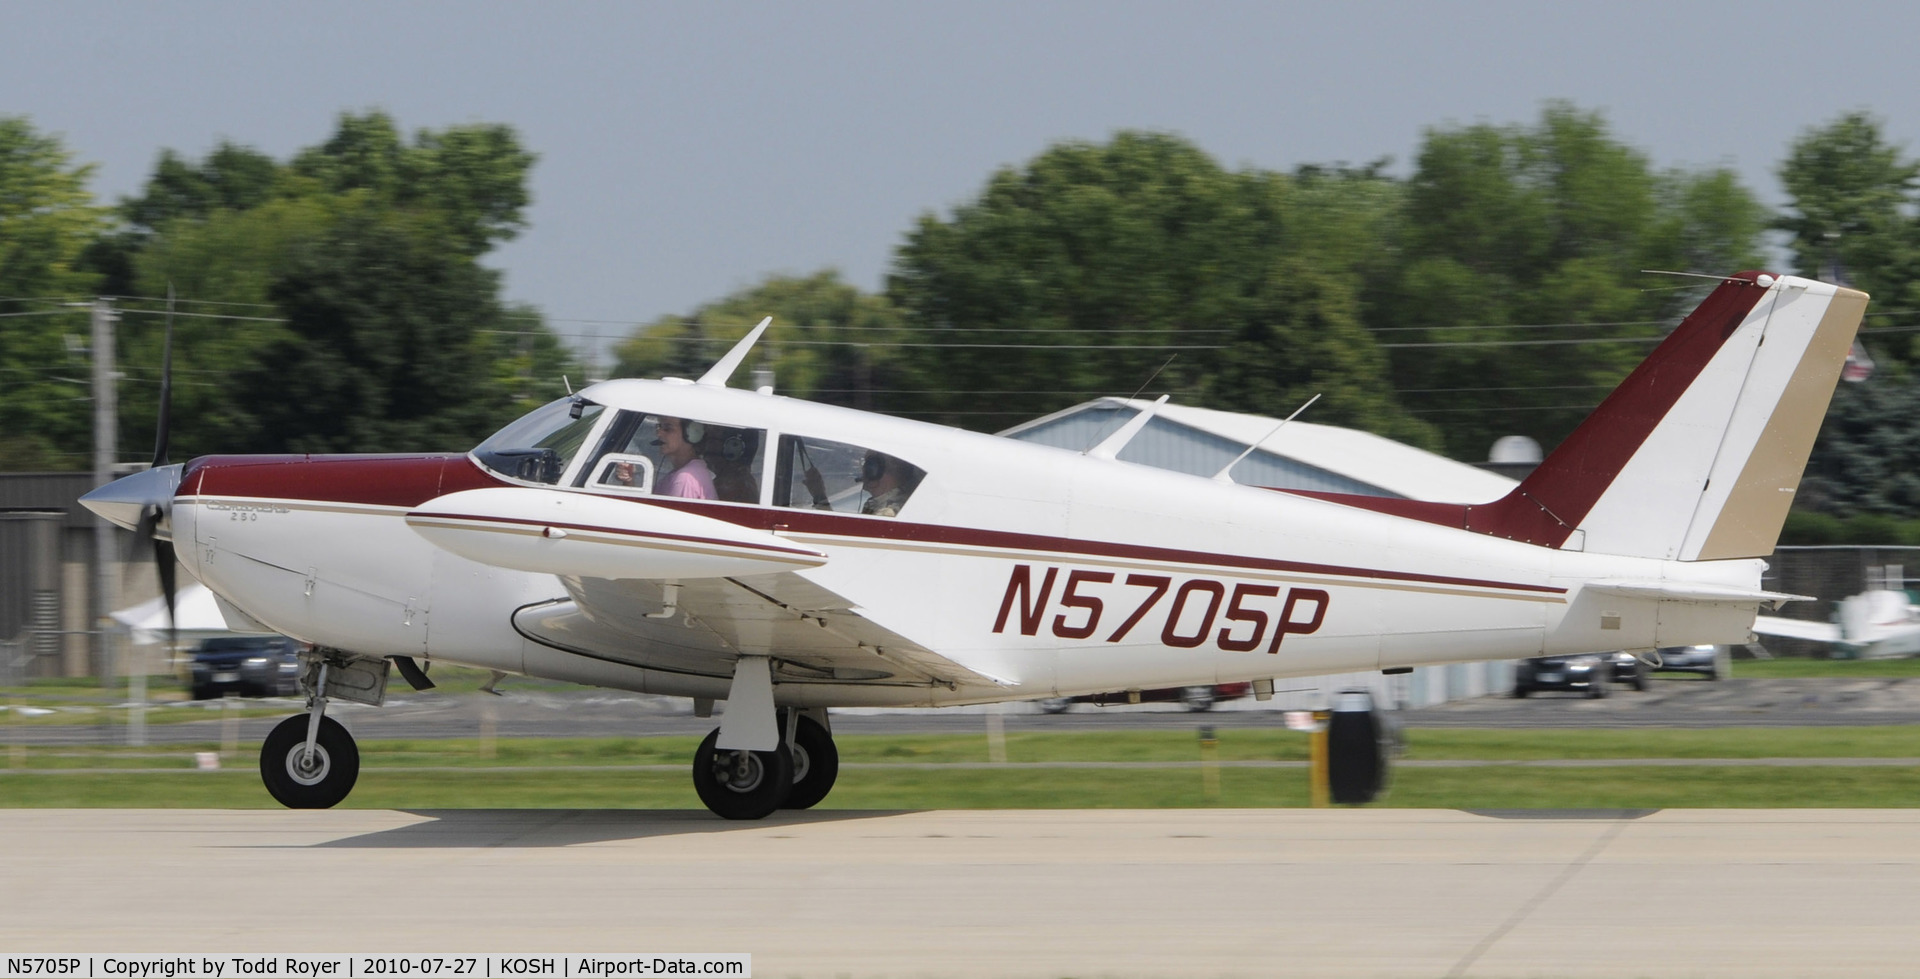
point(662, 455)
point(538, 447)
point(818, 474)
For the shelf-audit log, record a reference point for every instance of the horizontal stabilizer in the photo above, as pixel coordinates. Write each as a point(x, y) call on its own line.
point(1769, 625)
point(1689, 591)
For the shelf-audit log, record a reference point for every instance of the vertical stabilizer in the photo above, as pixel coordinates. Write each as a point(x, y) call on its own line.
point(1697, 454)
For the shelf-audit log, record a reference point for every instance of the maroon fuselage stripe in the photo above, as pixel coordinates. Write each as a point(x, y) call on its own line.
point(409, 481)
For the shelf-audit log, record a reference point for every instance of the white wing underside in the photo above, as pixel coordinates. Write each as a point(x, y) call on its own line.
point(812, 634)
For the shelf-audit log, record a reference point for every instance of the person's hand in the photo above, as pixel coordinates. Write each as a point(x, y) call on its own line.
point(623, 473)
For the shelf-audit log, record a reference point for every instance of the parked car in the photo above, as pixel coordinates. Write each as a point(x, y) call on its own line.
point(257, 666)
point(1196, 698)
point(1709, 661)
point(1631, 670)
point(1588, 672)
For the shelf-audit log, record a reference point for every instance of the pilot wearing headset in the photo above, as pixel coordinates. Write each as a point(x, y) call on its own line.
point(679, 443)
point(886, 485)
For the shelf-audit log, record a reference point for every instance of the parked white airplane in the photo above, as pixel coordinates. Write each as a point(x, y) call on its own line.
point(684, 538)
point(1880, 623)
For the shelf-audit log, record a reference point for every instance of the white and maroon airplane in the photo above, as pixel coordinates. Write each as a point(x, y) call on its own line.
point(685, 538)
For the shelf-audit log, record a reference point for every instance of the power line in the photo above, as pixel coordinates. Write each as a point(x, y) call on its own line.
point(1518, 343)
point(204, 316)
point(1517, 326)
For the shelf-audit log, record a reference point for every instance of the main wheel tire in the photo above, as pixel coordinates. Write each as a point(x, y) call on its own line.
point(1597, 688)
point(299, 783)
point(733, 791)
point(1640, 679)
point(816, 764)
point(1519, 691)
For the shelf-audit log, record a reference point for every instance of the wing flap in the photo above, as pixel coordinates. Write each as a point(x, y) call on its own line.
point(812, 634)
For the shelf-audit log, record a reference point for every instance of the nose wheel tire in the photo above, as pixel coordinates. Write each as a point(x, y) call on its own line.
point(299, 781)
point(741, 784)
point(816, 764)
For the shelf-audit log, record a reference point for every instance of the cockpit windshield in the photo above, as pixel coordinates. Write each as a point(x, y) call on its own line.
point(538, 447)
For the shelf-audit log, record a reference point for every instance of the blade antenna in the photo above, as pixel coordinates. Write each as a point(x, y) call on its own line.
point(716, 376)
point(1222, 477)
point(1135, 396)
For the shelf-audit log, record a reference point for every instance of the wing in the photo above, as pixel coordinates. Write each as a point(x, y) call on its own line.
point(669, 590)
point(703, 624)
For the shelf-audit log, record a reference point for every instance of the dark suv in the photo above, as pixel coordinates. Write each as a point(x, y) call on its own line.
point(257, 666)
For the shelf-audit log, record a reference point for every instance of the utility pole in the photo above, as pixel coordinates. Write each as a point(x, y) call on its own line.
point(106, 440)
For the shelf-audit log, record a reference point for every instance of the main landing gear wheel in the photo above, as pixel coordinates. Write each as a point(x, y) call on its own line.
point(816, 763)
point(298, 781)
point(741, 784)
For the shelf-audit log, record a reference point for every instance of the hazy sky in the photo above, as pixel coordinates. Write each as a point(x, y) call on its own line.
point(687, 150)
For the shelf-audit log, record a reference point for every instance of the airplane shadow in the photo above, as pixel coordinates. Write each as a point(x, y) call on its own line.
point(567, 827)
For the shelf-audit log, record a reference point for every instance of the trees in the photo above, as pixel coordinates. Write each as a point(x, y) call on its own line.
point(829, 341)
point(1518, 301)
point(47, 219)
point(1852, 200)
point(356, 315)
point(1083, 271)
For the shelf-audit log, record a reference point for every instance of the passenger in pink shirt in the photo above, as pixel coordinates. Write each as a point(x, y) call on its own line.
point(679, 443)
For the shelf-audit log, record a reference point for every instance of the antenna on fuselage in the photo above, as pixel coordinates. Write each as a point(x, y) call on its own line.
point(1222, 477)
point(1110, 448)
point(716, 376)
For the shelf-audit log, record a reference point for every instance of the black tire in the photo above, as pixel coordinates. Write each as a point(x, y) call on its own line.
point(1596, 689)
point(1641, 681)
point(1520, 691)
point(203, 693)
point(336, 764)
point(816, 764)
point(731, 794)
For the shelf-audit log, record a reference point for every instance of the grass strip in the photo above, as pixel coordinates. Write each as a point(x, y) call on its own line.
point(1016, 788)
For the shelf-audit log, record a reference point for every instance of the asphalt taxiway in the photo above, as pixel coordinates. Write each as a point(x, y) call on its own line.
point(1005, 893)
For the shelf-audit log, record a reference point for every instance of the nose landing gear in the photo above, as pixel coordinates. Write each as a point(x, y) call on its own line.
point(309, 761)
point(301, 779)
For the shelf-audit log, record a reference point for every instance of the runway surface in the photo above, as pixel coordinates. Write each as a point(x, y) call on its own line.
point(996, 893)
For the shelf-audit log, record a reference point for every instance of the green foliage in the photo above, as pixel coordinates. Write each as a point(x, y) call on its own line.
point(380, 350)
point(1853, 199)
point(1544, 226)
point(47, 220)
point(1867, 459)
point(1094, 262)
point(366, 247)
point(829, 341)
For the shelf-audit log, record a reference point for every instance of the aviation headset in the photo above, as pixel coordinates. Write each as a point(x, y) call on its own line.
point(694, 431)
point(873, 467)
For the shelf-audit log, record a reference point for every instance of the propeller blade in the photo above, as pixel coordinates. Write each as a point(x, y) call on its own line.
point(163, 561)
point(164, 423)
